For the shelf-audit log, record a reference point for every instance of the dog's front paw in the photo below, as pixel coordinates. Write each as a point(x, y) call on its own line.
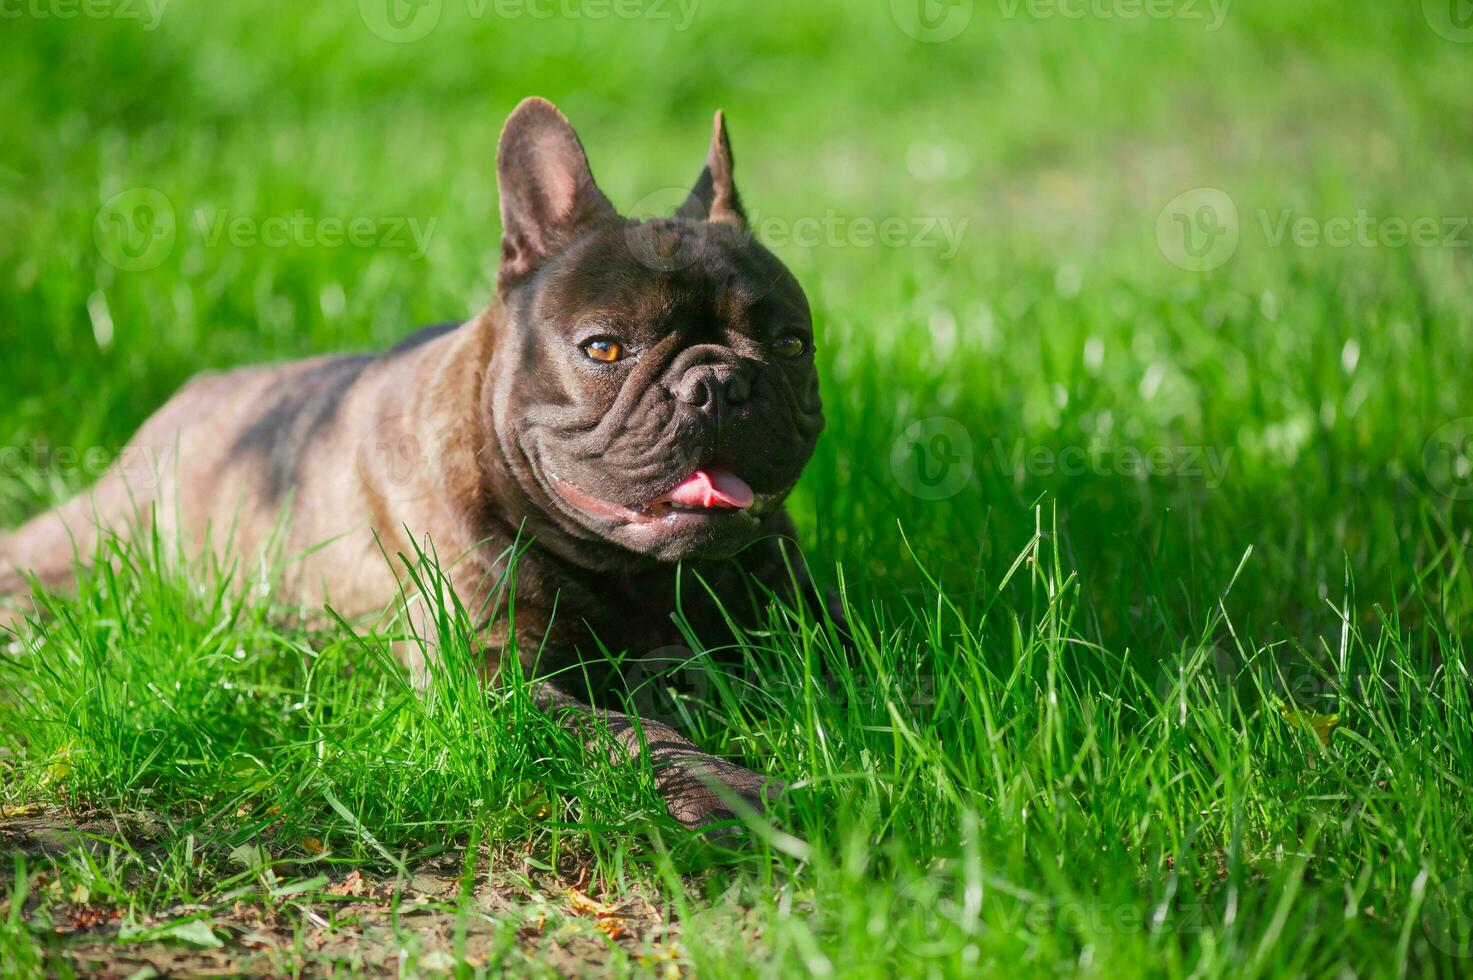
point(702, 790)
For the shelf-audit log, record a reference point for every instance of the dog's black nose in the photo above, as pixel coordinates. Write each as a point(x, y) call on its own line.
point(712, 387)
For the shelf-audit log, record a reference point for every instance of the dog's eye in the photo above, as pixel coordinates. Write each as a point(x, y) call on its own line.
point(605, 349)
point(789, 347)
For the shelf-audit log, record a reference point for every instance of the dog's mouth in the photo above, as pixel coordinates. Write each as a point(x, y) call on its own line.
point(708, 492)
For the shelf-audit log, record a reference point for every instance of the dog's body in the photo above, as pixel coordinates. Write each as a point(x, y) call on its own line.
point(330, 463)
point(618, 357)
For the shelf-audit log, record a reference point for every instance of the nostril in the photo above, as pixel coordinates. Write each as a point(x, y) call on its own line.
point(695, 393)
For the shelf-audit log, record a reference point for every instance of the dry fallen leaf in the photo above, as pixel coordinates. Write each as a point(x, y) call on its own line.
point(584, 905)
point(353, 886)
point(611, 920)
point(611, 926)
point(89, 917)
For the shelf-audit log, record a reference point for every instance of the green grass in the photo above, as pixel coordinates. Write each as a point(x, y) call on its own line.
point(1078, 728)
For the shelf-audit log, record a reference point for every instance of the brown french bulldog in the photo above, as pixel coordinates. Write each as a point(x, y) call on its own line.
point(636, 402)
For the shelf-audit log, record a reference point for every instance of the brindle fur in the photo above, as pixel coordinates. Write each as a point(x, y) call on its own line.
point(451, 436)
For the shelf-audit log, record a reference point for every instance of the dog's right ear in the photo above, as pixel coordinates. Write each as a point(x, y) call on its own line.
point(547, 190)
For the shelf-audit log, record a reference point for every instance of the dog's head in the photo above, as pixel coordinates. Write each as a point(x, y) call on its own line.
point(654, 383)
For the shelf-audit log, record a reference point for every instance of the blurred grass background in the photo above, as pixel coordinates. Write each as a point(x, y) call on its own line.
point(1330, 382)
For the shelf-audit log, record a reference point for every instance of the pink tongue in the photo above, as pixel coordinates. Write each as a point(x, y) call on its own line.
point(712, 488)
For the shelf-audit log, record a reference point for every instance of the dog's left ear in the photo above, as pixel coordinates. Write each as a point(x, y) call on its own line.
point(715, 198)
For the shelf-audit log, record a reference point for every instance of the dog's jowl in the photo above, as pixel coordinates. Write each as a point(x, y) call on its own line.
point(634, 404)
